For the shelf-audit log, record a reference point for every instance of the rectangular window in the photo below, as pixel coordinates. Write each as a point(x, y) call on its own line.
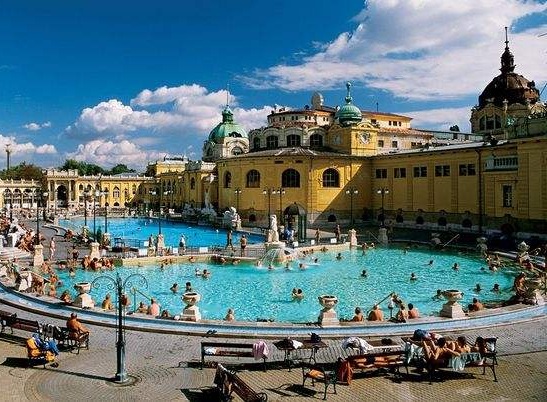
point(394, 144)
point(373, 121)
point(381, 173)
point(390, 122)
point(420, 171)
point(399, 173)
point(442, 170)
point(507, 196)
point(380, 143)
point(467, 169)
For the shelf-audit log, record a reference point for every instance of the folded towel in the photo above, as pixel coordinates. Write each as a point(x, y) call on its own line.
point(210, 351)
point(296, 344)
point(260, 350)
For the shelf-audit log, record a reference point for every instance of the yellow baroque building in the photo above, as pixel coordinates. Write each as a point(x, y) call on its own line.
point(322, 165)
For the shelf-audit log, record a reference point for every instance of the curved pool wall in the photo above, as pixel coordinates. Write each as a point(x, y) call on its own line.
point(488, 318)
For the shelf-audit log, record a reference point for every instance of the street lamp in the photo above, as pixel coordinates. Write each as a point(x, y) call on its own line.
point(237, 192)
point(383, 191)
point(351, 192)
point(281, 191)
point(39, 197)
point(119, 284)
point(8, 153)
point(86, 194)
point(269, 192)
point(96, 194)
point(105, 193)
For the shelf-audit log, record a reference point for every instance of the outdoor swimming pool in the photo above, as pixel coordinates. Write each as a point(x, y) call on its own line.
point(141, 229)
point(259, 293)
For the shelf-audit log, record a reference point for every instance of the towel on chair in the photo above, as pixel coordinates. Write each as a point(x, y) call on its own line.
point(260, 350)
point(296, 344)
point(354, 342)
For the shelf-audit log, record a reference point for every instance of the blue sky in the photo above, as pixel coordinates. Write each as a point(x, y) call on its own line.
point(132, 81)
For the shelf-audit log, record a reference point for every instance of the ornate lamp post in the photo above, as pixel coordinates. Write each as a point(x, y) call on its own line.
point(86, 194)
point(383, 191)
point(40, 197)
point(105, 193)
point(119, 284)
point(8, 154)
point(351, 192)
point(237, 192)
point(281, 192)
point(269, 192)
point(96, 194)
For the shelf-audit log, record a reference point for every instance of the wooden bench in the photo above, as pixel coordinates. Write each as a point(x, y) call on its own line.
point(488, 360)
point(374, 361)
point(229, 382)
point(227, 350)
point(12, 321)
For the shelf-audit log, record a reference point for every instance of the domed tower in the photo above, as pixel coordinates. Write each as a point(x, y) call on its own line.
point(348, 114)
point(507, 97)
point(226, 139)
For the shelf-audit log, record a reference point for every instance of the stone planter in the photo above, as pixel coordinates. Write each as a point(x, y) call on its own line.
point(327, 316)
point(83, 300)
point(82, 287)
point(452, 309)
point(191, 298)
point(328, 301)
point(191, 311)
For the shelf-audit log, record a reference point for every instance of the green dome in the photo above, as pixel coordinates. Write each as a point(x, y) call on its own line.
point(227, 128)
point(349, 113)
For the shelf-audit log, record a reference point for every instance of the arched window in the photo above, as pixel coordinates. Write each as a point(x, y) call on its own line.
point(442, 221)
point(399, 218)
point(331, 218)
point(272, 142)
point(192, 184)
point(290, 178)
point(316, 140)
point(256, 143)
point(253, 178)
point(133, 189)
point(237, 151)
point(419, 220)
point(482, 123)
point(252, 218)
point(331, 178)
point(227, 180)
point(116, 192)
point(293, 140)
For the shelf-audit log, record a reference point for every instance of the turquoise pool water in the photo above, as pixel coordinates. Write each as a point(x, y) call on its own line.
point(142, 228)
point(259, 293)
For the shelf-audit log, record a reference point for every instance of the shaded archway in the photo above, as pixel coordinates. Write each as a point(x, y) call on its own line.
point(295, 218)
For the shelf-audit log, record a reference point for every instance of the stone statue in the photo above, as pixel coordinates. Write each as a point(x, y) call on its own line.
point(273, 233)
point(231, 219)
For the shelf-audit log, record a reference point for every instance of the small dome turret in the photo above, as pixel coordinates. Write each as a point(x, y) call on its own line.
point(227, 128)
point(348, 114)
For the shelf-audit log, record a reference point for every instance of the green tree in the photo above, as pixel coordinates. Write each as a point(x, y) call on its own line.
point(23, 171)
point(83, 168)
point(120, 168)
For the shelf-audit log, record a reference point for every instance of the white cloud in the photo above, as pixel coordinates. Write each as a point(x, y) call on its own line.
point(25, 149)
point(441, 119)
point(37, 126)
point(109, 153)
point(177, 117)
point(419, 49)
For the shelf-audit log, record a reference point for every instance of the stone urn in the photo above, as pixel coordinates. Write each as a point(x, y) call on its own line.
point(452, 309)
point(533, 293)
point(191, 311)
point(83, 300)
point(191, 298)
point(481, 245)
point(328, 301)
point(82, 287)
point(327, 316)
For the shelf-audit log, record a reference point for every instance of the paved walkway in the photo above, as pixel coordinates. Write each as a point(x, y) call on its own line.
point(164, 367)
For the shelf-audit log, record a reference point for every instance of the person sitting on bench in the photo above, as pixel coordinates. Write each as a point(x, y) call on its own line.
point(75, 328)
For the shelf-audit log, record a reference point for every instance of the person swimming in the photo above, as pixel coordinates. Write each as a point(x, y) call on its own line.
point(364, 273)
point(297, 294)
point(496, 288)
point(413, 277)
point(456, 266)
point(438, 295)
